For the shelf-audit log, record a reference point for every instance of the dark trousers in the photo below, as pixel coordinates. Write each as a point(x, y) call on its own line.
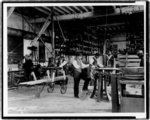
point(77, 76)
point(27, 75)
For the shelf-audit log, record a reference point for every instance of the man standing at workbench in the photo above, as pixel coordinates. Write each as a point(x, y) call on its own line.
point(80, 72)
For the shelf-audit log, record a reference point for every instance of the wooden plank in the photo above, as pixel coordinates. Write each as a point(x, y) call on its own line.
point(66, 17)
point(99, 88)
point(85, 8)
point(58, 9)
point(133, 64)
point(41, 10)
point(70, 9)
point(65, 10)
point(130, 60)
point(133, 70)
point(75, 7)
point(114, 93)
point(131, 82)
point(35, 82)
point(89, 14)
point(129, 56)
point(44, 27)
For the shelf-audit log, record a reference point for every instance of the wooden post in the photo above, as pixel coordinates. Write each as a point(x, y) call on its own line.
point(114, 93)
point(99, 88)
point(126, 62)
point(53, 42)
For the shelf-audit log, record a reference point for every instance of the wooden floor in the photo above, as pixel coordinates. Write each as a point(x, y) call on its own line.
point(24, 101)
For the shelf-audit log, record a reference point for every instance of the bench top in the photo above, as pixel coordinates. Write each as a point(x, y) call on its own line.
point(36, 82)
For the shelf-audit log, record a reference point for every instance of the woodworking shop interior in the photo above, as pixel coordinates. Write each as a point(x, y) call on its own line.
point(46, 43)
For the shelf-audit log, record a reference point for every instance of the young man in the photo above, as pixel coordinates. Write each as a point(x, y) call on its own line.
point(110, 59)
point(141, 56)
point(27, 66)
point(98, 60)
point(79, 73)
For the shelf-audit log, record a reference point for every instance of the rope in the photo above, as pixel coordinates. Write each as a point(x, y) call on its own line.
point(61, 32)
point(15, 48)
point(60, 28)
point(105, 43)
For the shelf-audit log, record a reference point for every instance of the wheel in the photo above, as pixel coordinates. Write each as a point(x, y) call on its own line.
point(63, 88)
point(50, 88)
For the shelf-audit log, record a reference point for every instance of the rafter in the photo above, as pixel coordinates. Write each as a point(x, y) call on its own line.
point(63, 9)
point(41, 10)
point(66, 17)
point(75, 7)
point(88, 15)
point(47, 8)
point(90, 7)
point(70, 9)
point(44, 27)
point(85, 8)
point(57, 9)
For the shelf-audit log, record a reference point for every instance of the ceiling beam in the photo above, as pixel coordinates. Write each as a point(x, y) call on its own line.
point(41, 10)
point(85, 8)
point(106, 25)
point(58, 9)
point(47, 8)
point(90, 7)
point(67, 7)
point(44, 27)
point(75, 7)
point(11, 10)
point(91, 15)
point(75, 16)
point(70, 9)
point(63, 9)
point(65, 17)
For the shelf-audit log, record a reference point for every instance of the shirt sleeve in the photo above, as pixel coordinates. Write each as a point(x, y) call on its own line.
point(84, 65)
point(64, 63)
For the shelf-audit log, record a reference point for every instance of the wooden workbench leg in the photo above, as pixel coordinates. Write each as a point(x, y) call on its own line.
point(99, 88)
point(114, 93)
point(105, 79)
point(94, 89)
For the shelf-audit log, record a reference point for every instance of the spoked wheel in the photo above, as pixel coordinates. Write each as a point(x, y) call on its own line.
point(63, 88)
point(50, 88)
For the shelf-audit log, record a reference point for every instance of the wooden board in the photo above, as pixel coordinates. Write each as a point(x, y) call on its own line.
point(36, 82)
point(128, 61)
point(131, 82)
point(129, 104)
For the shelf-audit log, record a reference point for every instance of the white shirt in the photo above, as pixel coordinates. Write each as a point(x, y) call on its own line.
point(77, 66)
point(63, 63)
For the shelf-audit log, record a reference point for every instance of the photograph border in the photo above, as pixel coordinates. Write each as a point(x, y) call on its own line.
point(146, 64)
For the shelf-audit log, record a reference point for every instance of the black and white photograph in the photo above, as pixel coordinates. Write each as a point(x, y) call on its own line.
point(75, 59)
